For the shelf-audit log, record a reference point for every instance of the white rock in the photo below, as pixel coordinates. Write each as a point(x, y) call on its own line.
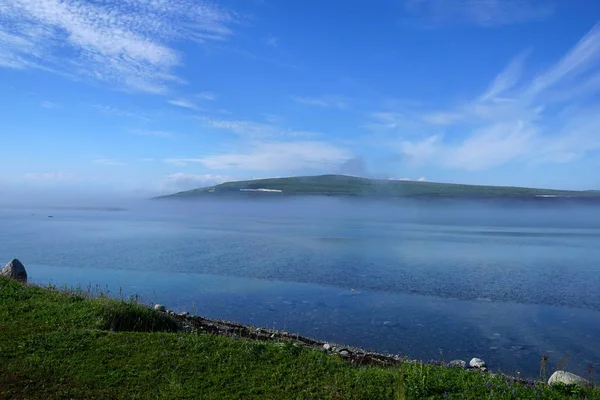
point(567, 378)
point(327, 346)
point(160, 307)
point(184, 314)
point(477, 363)
point(14, 270)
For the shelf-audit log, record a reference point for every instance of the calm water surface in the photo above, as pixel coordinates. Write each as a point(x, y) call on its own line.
point(503, 280)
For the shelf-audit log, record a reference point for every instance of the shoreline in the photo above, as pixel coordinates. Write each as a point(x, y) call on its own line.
point(89, 341)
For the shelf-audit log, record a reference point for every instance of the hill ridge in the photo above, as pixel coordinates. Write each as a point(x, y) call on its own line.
point(348, 185)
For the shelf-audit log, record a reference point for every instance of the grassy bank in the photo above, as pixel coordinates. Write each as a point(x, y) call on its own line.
point(57, 344)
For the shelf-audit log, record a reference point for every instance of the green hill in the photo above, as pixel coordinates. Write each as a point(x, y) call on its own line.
point(332, 185)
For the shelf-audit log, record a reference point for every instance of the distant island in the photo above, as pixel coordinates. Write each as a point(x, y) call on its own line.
point(343, 185)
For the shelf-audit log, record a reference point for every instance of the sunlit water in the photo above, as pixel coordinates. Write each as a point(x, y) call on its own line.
point(503, 280)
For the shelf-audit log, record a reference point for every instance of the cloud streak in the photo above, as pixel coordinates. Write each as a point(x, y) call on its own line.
point(325, 102)
point(184, 104)
point(125, 43)
point(483, 13)
point(271, 156)
point(553, 117)
point(108, 162)
point(254, 130)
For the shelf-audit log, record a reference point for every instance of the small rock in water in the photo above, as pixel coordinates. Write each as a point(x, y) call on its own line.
point(184, 314)
point(457, 363)
point(327, 346)
point(160, 307)
point(477, 363)
point(15, 270)
point(567, 378)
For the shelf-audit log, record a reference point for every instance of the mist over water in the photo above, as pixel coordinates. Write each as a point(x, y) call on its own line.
point(503, 279)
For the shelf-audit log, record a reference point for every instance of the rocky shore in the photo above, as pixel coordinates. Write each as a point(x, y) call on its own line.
point(356, 356)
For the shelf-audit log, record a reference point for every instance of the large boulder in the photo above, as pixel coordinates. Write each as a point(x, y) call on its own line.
point(15, 270)
point(567, 378)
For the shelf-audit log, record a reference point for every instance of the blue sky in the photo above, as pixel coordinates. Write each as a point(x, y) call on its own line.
point(155, 96)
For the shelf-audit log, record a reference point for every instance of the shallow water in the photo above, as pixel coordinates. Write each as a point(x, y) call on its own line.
point(503, 280)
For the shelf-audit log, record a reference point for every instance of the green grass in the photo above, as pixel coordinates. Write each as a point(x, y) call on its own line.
point(353, 186)
point(57, 344)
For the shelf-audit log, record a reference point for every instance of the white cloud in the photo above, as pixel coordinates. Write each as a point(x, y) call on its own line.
point(553, 117)
point(121, 42)
point(325, 101)
point(142, 132)
point(271, 156)
point(254, 130)
point(286, 156)
point(108, 162)
point(115, 111)
point(210, 96)
point(272, 41)
point(484, 13)
point(49, 104)
point(184, 104)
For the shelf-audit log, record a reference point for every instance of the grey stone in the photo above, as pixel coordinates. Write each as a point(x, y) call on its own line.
point(184, 314)
point(567, 378)
point(15, 270)
point(160, 307)
point(327, 346)
point(344, 353)
point(477, 363)
point(458, 363)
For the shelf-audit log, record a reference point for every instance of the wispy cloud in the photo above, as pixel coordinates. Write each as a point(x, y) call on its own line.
point(142, 132)
point(553, 117)
point(251, 129)
point(485, 13)
point(272, 41)
point(122, 42)
point(119, 112)
point(324, 101)
point(280, 156)
point(108, 162)
point(209, 96)
point(48, 104)
point(183, 103)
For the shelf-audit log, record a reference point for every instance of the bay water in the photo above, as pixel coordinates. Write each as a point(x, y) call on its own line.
point(505, 280)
